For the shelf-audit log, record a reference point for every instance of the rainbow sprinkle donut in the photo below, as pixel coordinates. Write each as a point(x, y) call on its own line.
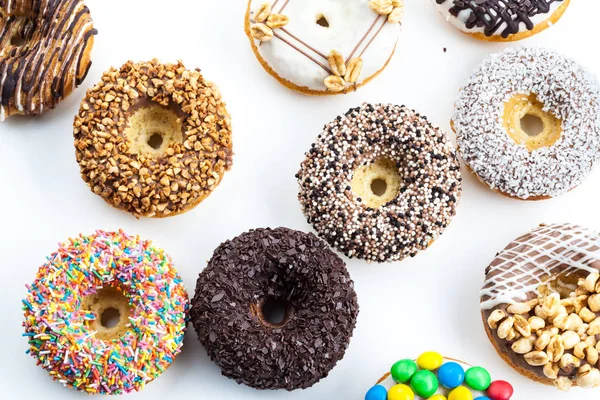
point(89, 279)
point(434, 377)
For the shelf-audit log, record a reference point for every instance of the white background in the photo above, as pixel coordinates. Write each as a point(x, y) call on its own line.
point(426, 303)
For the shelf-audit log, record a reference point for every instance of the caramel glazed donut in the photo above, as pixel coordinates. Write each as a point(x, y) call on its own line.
point(153, 139)
point(502, 20)
point(381, 183)
point(45, 50)
point(540, 305)
point(496, 114)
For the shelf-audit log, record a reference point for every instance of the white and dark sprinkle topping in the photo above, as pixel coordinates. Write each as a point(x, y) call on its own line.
point(429, 190)
point(564, 88)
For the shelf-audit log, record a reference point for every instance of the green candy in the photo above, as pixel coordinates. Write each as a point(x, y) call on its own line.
point(424, 383)
point(478, 378)
point(403, 370)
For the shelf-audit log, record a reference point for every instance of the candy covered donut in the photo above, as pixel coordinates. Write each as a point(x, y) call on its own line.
point(45, 50)
point(106, 313)
point(540, 303)
point(275, 309)
point(324, 46)
point(381, 183)
point(153, 139)
point(434, 377)
point(502, 20)
point(528, 123)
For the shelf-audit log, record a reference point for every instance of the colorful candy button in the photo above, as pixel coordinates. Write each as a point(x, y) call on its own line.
point(500, 390)
point(438, 397)
point(460, 393)
point(483, 398)
point(424, 383)
point(377, 392)
point(430, 360)
point(400, 392)
point(451, 375)
point(403, 370)
point(478, 378)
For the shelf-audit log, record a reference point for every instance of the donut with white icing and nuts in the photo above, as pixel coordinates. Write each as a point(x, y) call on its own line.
point(45, 48)
point(381, 183)
point(153, 139)
point(528, 123)
point(275, 309)
point(322, 47)
point(101, 277)
point(541, 305)
point(502, 20)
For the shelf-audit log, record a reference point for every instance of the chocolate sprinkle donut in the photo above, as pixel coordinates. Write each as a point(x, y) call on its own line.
point(429, 183)
point(275, 265)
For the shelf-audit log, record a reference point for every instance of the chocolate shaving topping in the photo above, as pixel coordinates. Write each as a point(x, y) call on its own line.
point(494, 15)
point(296, 268)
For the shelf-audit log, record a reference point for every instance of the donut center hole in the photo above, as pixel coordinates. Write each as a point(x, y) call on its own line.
point(532, 125)
point(322, 21)
point(151, 129)
point(377, 183)
point(110, 309)
point(274, 312)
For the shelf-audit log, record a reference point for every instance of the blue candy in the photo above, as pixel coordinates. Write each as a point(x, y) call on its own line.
point(483, 398)
point(451, 375)
point(376, 393)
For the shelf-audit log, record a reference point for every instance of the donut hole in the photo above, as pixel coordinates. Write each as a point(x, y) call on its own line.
point(377, 183)
point(151, 129)
point(274, 312)
point(322, 21)
point(529, 124)
point(111, 312)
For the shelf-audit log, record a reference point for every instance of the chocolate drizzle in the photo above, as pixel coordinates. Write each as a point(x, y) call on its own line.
point(56, 37)
point(493, 15)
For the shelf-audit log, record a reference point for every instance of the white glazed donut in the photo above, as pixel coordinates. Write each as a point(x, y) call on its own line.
point(295, 42)
point(488, 120)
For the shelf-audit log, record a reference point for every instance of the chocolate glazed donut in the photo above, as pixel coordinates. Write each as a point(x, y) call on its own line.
point(45, 50)
point(261, 269)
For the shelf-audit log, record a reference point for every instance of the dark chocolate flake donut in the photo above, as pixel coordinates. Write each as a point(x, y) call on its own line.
point(247, 275)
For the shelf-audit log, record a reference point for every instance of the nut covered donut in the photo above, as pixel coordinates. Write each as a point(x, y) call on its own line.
point(381, 183)
point(541, 305)
point(153, 139)
point(322, 47)
point(502, 20)
point(45, 50)
point(90, 281)
point(528, 123)
point(275, 309)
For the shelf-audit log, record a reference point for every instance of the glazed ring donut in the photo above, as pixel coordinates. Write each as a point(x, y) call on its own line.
point(89, 282)
point(528, 123)
point(275, 309)
point(540, 305)
point(44, 53)
point(502, 20)
point(322, 47)
point(152, 139)
point(434, 377)
point(381, 183)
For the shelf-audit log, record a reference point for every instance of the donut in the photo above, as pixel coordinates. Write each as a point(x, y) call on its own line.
point(381, 183)
point(45, 48)
point(502, 20)
point(153, 139)
point(540, 305)
point(275, 309)
point(324, 47)
point(528, 123)
point(434, 377)
point(106, 313)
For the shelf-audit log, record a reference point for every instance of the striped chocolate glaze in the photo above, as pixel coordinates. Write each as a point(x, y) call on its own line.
point(57, 36)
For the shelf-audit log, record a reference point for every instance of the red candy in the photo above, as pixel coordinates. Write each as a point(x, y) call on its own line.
point(500, 390)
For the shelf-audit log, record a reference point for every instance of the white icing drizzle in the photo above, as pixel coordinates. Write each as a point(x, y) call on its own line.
point(536, 258)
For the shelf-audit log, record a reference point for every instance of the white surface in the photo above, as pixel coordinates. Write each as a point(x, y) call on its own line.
point(429, 302)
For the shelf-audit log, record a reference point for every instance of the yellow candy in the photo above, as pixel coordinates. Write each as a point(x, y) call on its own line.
point(400, 392)
point(430, 360)
point(460, 393)
point(437, 397)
